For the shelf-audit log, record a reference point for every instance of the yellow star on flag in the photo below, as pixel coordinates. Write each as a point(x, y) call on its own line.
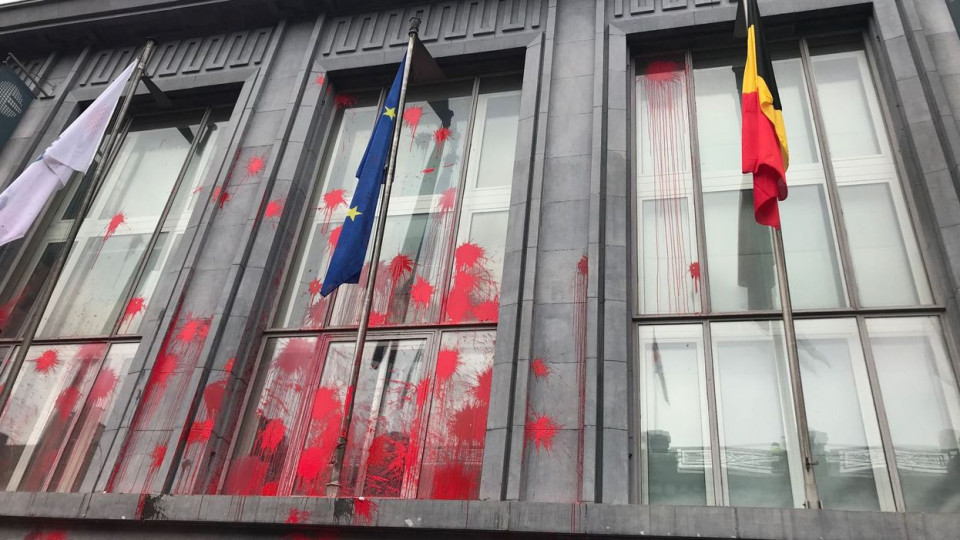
point(391, 112)
point(353, 213)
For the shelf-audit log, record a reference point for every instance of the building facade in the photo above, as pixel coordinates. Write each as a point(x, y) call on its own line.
point(577, 326)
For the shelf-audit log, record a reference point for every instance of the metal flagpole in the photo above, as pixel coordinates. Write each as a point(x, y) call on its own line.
point(333, 487)
point(793, 360)
point(96, 177)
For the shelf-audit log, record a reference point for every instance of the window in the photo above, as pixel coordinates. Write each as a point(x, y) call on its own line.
point(87, 334)
point(419, 421)
point(717, 416)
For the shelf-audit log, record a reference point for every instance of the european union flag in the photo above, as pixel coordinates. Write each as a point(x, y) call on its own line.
point(347, 261)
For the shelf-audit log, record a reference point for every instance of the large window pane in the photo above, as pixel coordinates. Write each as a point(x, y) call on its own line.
point(886, 258)
point(844, 434)
point(759, 453)
point(676, 459)
point(668, 263)
point(920, 395)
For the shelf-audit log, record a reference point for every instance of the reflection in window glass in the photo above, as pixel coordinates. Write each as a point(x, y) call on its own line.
point(849, 123)
point(923, 409)
point(812, 262)
point(667, 248)
point(57, 407)
point(759, 456)
point(844, 434)
point(673, 415)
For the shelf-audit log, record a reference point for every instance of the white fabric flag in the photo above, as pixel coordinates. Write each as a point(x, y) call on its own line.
point(74, 150)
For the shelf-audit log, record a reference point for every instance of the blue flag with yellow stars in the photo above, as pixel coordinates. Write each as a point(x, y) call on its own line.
point(348, 257)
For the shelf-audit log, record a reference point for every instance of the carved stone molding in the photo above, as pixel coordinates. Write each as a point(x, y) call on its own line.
point(442, 22)
point(184, 56)
point(633, 8)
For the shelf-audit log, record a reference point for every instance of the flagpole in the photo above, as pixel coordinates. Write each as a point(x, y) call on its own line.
point(793, 360)
point(87, 200)
point(333, 486)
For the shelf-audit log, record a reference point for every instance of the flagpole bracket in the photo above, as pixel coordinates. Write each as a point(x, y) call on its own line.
point(414, 25)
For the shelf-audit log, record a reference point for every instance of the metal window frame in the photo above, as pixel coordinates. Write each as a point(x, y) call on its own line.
point(854, 308)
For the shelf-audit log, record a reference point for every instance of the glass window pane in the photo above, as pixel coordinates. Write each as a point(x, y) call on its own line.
point(44, 404)
point(23, 287)
point(495, 140)
point(114, 235)
point(844, 434)
point(813, 267)
point(453, 454)
point(673, 416)
point(920, 395)
point(759, 451)
point(266, 441)
point(883, 246)
point(667, 246)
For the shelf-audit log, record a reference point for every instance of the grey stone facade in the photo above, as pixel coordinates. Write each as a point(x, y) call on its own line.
point(570, 200)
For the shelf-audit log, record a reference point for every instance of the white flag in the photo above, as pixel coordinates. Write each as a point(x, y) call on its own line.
point(74, 150)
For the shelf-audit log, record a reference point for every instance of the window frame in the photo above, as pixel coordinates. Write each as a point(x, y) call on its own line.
point(907, 211)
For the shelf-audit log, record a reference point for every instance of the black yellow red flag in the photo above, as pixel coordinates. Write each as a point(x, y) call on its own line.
point(765, 152)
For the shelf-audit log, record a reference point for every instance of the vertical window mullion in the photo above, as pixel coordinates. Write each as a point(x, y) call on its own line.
point(705, 304)
point(885, 437)
point(719, 488)
point(203, 132)
point(846, 261)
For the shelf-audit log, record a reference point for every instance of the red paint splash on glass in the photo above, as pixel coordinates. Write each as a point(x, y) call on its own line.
point(272, 435)
point(66, 402)
point(695, 274)
point(470, 423)
point(421, 293)
point(334, 238)
point(540, 368)
point(91, 352)
point(440, 136)
point(581, 297)
point(468, 255)
point(411, 117)
point(274, 208)
point(448, 361)
point(134, 307)
point(103, 388)
point(447, 200)
point(295, 356)
point(47, 362)
point(116, 221)
point(331, 201)
point(540, 430)
point(345, 101)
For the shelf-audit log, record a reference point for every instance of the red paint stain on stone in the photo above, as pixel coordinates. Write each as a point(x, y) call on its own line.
point(540, 368)
point(540, 430)
point(274, 208)
point(195, 330)
point(255, 165)
point(200, 431)
point(166, 365)
point(47, 362)
point(334, 199)
point(481, 391)
point(320, 79)
point(470, 423)
point(314, 288)
point(583, 265)
point(334, 238)
point(400, 265)
point(363, 510)
point(156, 457)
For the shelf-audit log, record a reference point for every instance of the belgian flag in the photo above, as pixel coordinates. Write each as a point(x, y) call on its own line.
point(765, 152)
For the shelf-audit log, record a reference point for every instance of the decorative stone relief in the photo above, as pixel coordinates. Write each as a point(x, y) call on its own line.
point(631, 8)
point(442, 22)
point(184, 56)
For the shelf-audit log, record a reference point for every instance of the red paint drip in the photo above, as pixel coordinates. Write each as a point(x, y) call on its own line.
point(274, 208)
point(200, 431)
point(334, 238)
point(411, 117)
point(134, 308)
point(165, 366)
point(448, 361)
point(695, 274)
point(363, 510)
point(228, 367)
point(156, 457)
point(421, 293)
point(47, 362)
point(540, 430)
point(378, 319)
point(255, 165)
point(400, 265)
point(117, 220)
point(345, 101)
point(315, 287)
point(103, 387)
point(66, 401)
point(272, 435)
point(540, 368)
point(213, 396)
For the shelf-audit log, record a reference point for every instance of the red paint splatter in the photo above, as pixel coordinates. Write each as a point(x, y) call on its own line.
point(481, 391)
point(213, 396)
point(421, 292)
point(428, 170)
point(46, 535)
point(91, 352)
point(228, 367)
point(331, 201)
point(166, 365)
point(272, 435)
point(447, 200)
point(156, 457)
point(325, 401)
point(47, 362)
point(540, 430)
point(315, 287)
point(540, 368)
point(448, 360)
point(117, 220)
point(200, 431)
point(440, 136)
point(297, 515)
point(294, 356)
point(470, 423)
point(400, 265)
point(316, 313)
point(314, 461)
point(583, 266)
point(103, 387)
point(378, 319)
point(195, 330)
point(221, 196)
point(467, 255)
point(274, 208)
point(270, 489)
point(453, 482)
point(695, 274)
point(66, 401)
point(363, 510)
point(411, 117)
point(134, 308)
point(254, 165)
point(320, 79)
point(345, 101)
point(334, 238)
point(488, 311)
